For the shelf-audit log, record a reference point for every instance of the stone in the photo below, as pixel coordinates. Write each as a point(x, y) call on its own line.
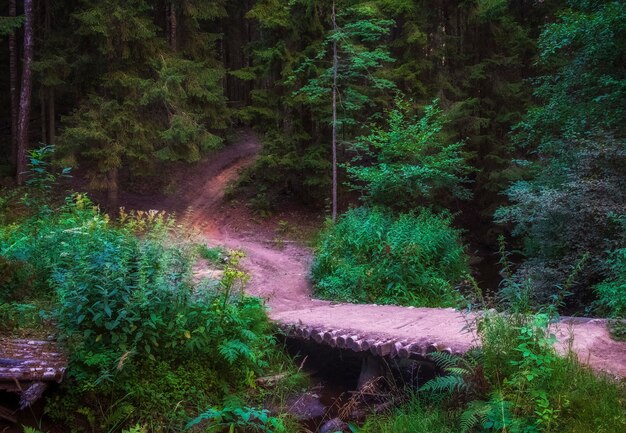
point(334, 425)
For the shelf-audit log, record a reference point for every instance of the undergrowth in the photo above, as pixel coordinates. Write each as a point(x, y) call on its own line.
point(515, 383)
point(150, 348)
point(372, 256)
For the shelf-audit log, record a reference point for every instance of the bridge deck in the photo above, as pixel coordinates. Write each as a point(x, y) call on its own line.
point(27, 361)
point(414, 332)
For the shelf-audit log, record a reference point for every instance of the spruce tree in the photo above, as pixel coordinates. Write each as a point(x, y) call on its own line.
point(344, 71)
point(152, 99)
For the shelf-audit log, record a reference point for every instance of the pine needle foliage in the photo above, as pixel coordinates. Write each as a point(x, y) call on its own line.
point(147, 102)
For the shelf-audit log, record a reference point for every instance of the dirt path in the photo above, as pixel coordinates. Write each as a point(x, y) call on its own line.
point(280, 274)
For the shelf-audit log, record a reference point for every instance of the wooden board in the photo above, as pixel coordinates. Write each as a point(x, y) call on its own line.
point(27, 361)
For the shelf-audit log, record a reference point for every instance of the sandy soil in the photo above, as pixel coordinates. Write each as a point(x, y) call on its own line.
point(280, 273)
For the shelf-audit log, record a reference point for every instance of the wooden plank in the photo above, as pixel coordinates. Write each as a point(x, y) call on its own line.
point(30, 361)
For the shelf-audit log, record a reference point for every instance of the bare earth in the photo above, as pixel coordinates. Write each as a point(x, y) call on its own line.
point(280, 275)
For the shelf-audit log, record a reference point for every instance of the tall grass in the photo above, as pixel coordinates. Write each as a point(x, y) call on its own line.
point(414, 417)
point(370, 255)
point(520, 385)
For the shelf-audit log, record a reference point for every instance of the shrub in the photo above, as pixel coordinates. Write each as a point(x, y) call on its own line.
point(523, 386)
point(551, 393)
point(569, 210)
point(215, 255)
point(409, 160)
point(372, 256)
point(249, 418)
point(145, 344)
point(612, 292)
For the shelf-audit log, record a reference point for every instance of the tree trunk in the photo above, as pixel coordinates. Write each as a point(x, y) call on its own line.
point(173, 27)
point(168, 32)
point(112, 190)
point(49, 91)
point(42, 104)
point(25, 94)
point(334, 139)
point(51, 116)
point(13, 84)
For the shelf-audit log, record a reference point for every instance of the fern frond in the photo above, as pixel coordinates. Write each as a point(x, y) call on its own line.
point(458, 371)
point(444, 360)
point(231, 350)
point(445, 384)
point(475, 414)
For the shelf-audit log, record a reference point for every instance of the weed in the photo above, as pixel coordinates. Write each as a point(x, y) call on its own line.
point(215, 255)
point(249, 418)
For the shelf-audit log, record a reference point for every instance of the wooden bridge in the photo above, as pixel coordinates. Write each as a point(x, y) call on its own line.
point(413, 333)
point(27, 367)
point(376, 332)
point(414, 338)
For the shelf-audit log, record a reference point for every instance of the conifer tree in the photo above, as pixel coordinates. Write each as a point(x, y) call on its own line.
point(343, 74)
point(153, 99)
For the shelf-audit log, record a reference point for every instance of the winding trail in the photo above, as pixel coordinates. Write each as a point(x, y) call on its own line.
point(280, 275)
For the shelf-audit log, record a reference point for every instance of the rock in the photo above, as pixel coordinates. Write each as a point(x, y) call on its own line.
point(333, 426)
point(306, 407)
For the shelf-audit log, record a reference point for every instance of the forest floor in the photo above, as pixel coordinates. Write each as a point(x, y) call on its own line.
point(279, 266)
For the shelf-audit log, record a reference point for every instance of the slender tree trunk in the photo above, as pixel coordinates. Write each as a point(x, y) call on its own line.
point(13, 90)
point(173, 27)
point(49, 93)
point(51, 116)
point(42, 104)
point(113, 189)
point(168, 32)
point(25, 94)
point(334, 139)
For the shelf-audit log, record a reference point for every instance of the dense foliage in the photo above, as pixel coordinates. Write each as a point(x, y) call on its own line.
point(454, 122)
point(411, 163)
point(515, 383)
point(568, 209)
point(146, 343)
point(371, 255)
point(139, 84)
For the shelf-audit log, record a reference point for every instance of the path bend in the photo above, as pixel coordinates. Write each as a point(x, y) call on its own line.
point(280, 276)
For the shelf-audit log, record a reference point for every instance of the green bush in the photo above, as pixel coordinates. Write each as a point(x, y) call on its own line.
point(612, 292)
point(548, 392)
point(372, 256)
point(240, 417)
point(409, 160)
point(215, 255)
point(515, 383)
point(145, 344)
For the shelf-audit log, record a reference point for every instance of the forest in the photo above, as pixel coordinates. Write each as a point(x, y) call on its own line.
point(444, 154)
